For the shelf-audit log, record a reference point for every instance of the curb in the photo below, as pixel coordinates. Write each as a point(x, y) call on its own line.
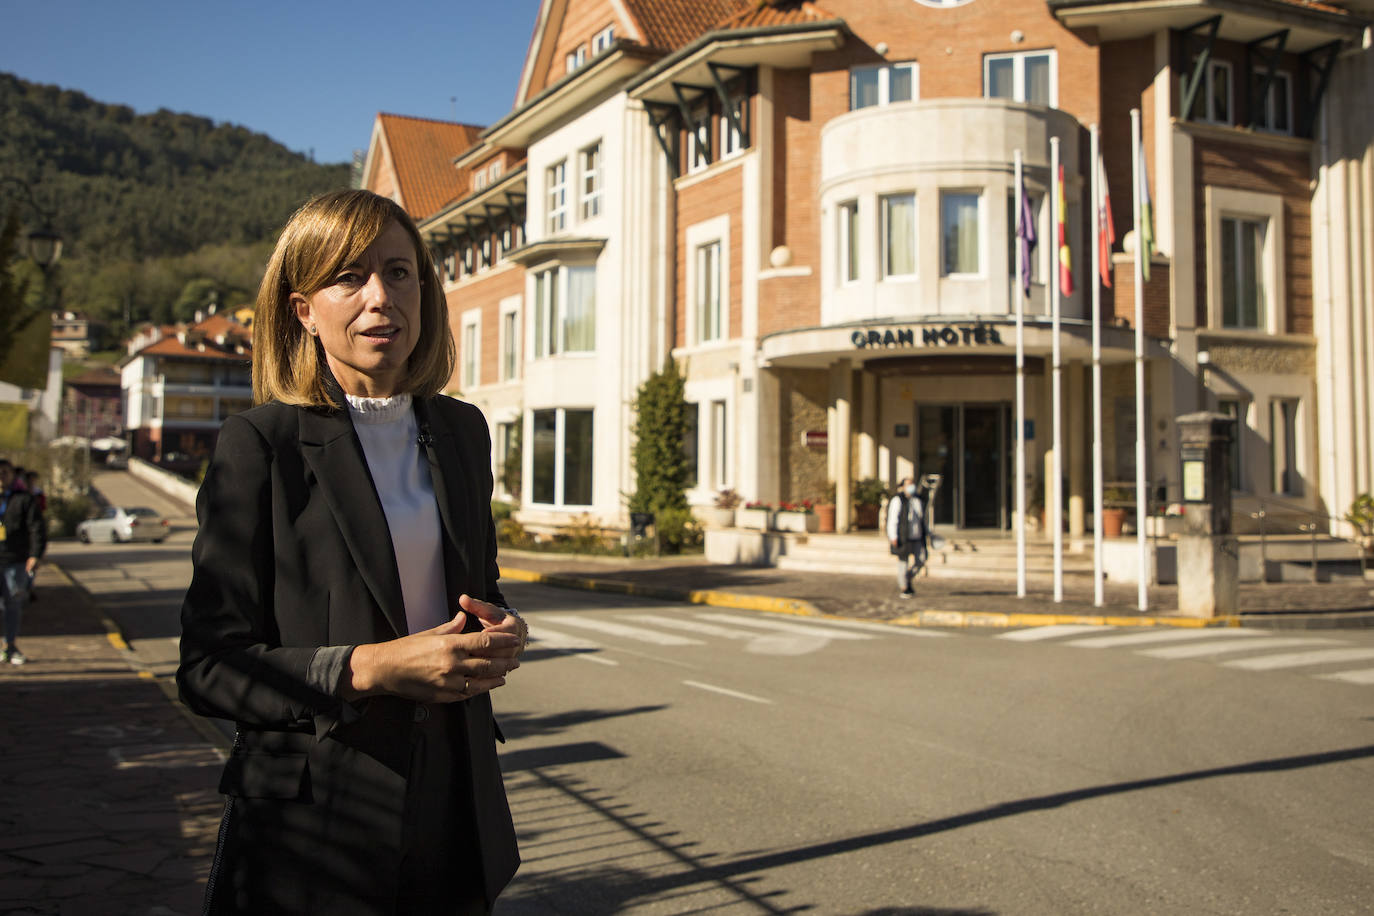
point(940, 618)
point(115, 635)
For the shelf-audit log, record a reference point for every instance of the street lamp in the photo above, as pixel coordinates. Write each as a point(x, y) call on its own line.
point(45, 244)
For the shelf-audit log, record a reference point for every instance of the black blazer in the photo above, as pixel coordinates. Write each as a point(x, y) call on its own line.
point(293, 553)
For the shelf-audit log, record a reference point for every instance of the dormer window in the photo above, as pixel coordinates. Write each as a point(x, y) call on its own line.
point(575, 59)
point(603, 39)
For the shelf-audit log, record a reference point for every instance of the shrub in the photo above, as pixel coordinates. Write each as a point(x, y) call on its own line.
point(727, 499)
point(1361, 514)
point(660, 425)
point(678, 531)
point(510, 533)
point(870, 492)
point(500, 511)
point(64, 514)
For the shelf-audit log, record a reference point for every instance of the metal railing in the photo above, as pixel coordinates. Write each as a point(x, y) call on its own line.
point(1309, 521)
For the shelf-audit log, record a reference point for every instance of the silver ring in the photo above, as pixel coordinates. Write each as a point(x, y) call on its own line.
point(465, 685)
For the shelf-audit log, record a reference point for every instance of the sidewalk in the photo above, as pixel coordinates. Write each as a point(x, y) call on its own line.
point(954, 602)
point(108, 801)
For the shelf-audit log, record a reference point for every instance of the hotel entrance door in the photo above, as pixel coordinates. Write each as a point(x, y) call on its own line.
point(967, 444)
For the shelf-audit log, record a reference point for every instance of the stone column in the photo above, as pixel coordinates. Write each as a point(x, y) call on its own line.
point(842, 396)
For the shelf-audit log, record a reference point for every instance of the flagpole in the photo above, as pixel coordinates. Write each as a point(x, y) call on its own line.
point(1057, 482)
point(1142, 597)
point(1020, 295)
point(1098, 597)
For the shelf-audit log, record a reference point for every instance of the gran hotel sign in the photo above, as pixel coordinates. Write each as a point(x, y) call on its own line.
point(950, 335)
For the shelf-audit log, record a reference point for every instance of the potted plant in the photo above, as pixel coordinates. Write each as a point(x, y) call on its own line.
point(1114, 502)
point(825, 511)
point(756, 515)
point(869, 496)
point(721, 514)
point(796, 517)
point(1361, 515)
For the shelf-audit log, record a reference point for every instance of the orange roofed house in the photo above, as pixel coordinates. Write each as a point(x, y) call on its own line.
point(180, 383)
point(810, 207)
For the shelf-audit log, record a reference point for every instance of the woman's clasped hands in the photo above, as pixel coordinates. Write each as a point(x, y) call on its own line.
point(443, 664)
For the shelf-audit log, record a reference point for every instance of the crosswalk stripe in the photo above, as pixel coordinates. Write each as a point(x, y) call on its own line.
point(1362, 676)
point(727, 692)
point(1298, 659)
point(694, 626)
point(800, 629)
point(1216, 648)
point(627, 632)
point(541, 637)
point(1053, 631)
point(1149, 636)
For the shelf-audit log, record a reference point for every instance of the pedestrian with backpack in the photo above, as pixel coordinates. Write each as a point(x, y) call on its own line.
point(908, 532)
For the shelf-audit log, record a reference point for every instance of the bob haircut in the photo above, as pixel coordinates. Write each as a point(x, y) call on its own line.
point(324, 236)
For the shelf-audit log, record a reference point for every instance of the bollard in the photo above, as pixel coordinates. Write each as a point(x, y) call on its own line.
point(1208, 553)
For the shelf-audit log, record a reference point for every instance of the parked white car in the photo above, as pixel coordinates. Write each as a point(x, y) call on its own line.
point(116, 523)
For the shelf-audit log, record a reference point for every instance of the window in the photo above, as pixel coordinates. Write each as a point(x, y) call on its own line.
point(1025, 77)
point(884, 85)
point(575, 59)
point(1242, 282)
point(1037, 206)
point(470, 354)
point(556, 180)
point(591, 181)
point(731, 140)
point(1283, 446)
point(1215, 98)
point(849, 241)
point(960, 233)
point(899, 235)
point(479, 179)
point(564, 311)
point(691, 435)
point(507, 439)
point(495, 170)
point(450, 267)
point(562, 457)
point(1274, 111)
point(1236, 410)
point(602, 40)
point(510, 345)
point(709, 310)
point(699, 139)
point(719, 451)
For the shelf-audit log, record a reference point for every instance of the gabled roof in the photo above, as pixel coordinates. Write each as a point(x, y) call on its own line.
point(669, 24)
point(786, 12)
point(202, 341)
point(422, 152)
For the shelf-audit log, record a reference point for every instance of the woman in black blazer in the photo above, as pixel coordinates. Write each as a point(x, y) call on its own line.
point(344, 609)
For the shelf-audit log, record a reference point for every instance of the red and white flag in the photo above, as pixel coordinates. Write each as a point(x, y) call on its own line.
point(1106, 229)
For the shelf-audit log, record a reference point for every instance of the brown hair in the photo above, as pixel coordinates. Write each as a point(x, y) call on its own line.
point(328, 233)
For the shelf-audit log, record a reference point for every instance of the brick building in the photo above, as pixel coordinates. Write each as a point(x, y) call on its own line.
point(809, 205)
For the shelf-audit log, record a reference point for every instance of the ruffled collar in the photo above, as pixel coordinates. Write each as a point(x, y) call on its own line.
point(378, 410)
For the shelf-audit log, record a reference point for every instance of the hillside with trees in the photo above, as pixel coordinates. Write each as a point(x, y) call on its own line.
point(160, 213)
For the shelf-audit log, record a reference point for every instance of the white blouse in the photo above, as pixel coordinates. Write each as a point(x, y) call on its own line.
point(400, 471)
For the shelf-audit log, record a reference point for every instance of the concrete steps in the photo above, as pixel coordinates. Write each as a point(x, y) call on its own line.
point(867, 554)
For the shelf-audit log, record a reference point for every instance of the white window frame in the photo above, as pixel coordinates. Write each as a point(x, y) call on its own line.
point(1282, 85)
point(885, 273)
point(714, 400)
point(731, 142)
point(849, 242)
point(708, 304)
point(982, 231)
point(1209, 115)
point(696, 160)
point(575, 59)
point(884, 72)
point(550, 305)
point(471, 339)
point(560, 457)
point(603, 39)
point(504, 430)
point(590, 161)
point(699, 235)
point(509, 333)
point(1236, 204)
point(556, 197)
point(1018, 73)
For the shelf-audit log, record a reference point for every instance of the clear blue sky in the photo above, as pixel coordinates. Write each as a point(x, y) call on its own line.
point(312, 74)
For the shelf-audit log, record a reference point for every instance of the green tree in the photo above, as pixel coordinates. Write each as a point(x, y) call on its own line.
point(660, 463)
point(17, 310)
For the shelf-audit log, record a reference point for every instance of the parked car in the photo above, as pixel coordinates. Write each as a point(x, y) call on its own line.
point(117, 523)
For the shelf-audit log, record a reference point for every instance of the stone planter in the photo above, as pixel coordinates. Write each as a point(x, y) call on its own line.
point(825, 518)
point(796, 522)
point(753, 519)
point(715, 516)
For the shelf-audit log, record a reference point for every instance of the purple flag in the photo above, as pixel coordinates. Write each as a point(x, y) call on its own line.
point(1025, 231)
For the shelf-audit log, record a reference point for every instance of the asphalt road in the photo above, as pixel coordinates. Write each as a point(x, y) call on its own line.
point(674, 759)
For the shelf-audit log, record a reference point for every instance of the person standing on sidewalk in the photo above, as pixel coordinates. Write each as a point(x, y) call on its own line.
point(908, 533)
point(23, 540)
point(344, 607)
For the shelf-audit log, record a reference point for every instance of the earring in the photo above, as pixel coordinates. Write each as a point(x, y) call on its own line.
point(312, 329)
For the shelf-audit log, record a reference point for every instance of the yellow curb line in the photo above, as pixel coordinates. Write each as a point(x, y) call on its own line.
point(799, 607)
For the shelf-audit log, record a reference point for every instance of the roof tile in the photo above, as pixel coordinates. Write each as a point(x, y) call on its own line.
point(672, 24)
point(784, 12)
point(422, 152)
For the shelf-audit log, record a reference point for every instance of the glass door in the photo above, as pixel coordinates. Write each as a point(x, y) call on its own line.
point(967, 445)
point(937, 444)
